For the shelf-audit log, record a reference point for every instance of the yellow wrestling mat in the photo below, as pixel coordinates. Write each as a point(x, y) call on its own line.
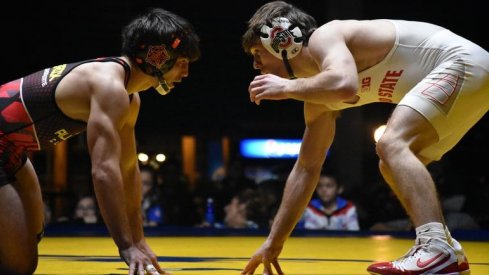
point(228, 255)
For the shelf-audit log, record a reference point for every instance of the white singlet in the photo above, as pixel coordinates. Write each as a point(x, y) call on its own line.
point(439, 74)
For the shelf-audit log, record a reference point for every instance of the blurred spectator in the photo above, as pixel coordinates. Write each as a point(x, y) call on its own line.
point(86, 210)
point(328, 210)
point(221, 189)
point(151, 207)
point(247, 209)
point(231, 184)
point(271, 190)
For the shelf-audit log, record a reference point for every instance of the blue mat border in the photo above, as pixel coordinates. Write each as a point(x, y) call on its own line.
point(94, 230)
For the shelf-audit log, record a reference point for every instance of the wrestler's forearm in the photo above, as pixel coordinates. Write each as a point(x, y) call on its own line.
point(110, 197)
point(297, 194)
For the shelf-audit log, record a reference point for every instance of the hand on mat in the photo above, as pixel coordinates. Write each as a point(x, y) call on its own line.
point(138, 262)
point(268, 255)
point(144, 247)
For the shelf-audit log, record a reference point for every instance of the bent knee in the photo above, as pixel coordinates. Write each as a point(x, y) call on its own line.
point(22, 269)
point(389, 150)
point(18, 270)
point(19, 264)
point(387, 147)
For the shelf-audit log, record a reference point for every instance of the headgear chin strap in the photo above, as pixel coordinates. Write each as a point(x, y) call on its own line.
point(283, 40)
point(156, 60)
point(163, 88)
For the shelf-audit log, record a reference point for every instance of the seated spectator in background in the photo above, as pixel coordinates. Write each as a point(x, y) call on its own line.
point(86, 210)
point(233, 182)
point(271, 191)
point(247, 209)
point(328, 210)
point(151, 203)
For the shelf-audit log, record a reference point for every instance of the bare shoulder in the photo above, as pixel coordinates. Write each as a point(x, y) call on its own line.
point(326, 30)
point(368, 41)
point(101, 82)
point(351, 31)
point(349, 28)
point(327, 37)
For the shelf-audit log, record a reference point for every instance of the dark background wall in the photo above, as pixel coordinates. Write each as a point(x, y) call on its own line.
point(37, 34)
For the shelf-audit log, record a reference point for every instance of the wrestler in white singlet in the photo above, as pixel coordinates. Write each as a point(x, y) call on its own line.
point(437, 73)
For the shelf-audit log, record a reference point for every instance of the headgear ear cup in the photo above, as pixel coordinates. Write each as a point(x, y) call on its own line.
point(156, 60)
point(282, 36)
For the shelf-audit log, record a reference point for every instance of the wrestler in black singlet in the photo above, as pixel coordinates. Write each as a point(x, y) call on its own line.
point(31, 120)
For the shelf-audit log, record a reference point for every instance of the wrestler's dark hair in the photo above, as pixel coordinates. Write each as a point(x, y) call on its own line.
point(264, 15)
point(156, 27)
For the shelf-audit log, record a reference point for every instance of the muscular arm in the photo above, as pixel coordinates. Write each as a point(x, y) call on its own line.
point(108, 112)
point(331, 75)
point(130, 172)
point(300, 185)
point(317, 139)
point(338, 76)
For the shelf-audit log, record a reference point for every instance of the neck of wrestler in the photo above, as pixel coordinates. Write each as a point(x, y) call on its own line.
point(303, 65)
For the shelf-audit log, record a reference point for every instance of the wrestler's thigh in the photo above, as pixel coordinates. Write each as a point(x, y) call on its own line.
point(21, 219)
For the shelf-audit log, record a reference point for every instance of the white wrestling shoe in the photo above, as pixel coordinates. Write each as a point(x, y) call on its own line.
point(433, 257)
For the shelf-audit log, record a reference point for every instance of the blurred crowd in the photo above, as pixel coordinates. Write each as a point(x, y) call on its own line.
point(235, 200)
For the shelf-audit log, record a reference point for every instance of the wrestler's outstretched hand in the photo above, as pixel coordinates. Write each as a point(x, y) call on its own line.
point(144, 247)
point(268, 255)
point(139, 263)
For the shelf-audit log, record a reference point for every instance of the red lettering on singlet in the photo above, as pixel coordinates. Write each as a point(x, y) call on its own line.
point(386, 88)
point(366, 84)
